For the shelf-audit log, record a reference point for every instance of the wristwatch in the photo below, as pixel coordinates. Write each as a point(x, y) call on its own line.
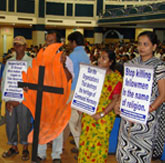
point(102, 114)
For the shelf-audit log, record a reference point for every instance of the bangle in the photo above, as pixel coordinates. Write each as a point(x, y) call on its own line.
point(102, 114)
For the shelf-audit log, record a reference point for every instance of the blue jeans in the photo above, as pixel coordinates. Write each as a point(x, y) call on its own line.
point(57, 146)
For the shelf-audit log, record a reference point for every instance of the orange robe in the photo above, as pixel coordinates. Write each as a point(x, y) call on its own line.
point(55, 112)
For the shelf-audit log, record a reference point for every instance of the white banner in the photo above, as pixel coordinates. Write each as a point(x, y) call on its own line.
point(136, 93)
point(13, 75)
point(88, 89)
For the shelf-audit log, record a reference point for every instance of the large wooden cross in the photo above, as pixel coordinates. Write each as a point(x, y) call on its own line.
point(40, 88)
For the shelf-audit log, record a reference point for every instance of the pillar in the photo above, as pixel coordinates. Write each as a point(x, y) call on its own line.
point(6, 40)
point(38, 34)
point(98, 35)
point(68, 31)
point(139, 30)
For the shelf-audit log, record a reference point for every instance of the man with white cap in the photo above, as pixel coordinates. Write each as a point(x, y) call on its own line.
point(17, 113)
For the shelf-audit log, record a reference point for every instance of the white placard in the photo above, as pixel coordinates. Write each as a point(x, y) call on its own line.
point(14, 75)
point(136, 93)
point(88, 89)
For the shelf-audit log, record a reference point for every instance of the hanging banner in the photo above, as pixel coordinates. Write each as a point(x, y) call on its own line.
point(88, 89)
point(136, 93)
point(13, 75)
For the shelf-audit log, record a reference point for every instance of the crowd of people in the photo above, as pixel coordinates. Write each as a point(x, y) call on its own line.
point(137, 143)
point(124, 51)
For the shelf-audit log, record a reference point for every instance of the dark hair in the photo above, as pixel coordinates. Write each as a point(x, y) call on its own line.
point(133, 55)
point(151, 35)
point(127, 56)
point(112, 57)
point(58, 36)
point(77, 37)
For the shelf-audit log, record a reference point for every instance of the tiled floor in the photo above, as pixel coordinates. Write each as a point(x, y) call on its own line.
point(67, 156)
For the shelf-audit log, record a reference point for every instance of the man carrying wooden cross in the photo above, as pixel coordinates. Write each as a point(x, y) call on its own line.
point(55, 112)
point(57, 144)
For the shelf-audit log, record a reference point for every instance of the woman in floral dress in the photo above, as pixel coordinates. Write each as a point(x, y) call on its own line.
point(94, 139)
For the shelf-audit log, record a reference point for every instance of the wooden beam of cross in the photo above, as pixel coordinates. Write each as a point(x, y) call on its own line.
point(40, 88)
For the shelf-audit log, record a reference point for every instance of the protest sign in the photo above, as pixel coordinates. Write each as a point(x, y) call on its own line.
point(136, 93)
point(88, 89)
point(13, 75)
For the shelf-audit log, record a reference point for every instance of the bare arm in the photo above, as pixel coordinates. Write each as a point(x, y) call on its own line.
point(67, 72)
point(109, 108)
point(161, 98)
point(117, 106)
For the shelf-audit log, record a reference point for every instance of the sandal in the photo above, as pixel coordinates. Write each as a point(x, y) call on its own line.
point(9, 153)
point(25, 155)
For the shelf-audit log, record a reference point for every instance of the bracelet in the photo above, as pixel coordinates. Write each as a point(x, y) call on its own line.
point(102, 114)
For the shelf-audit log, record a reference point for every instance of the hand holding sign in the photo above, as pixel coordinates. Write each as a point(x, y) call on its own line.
point(25, 89)
point(96, 116)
